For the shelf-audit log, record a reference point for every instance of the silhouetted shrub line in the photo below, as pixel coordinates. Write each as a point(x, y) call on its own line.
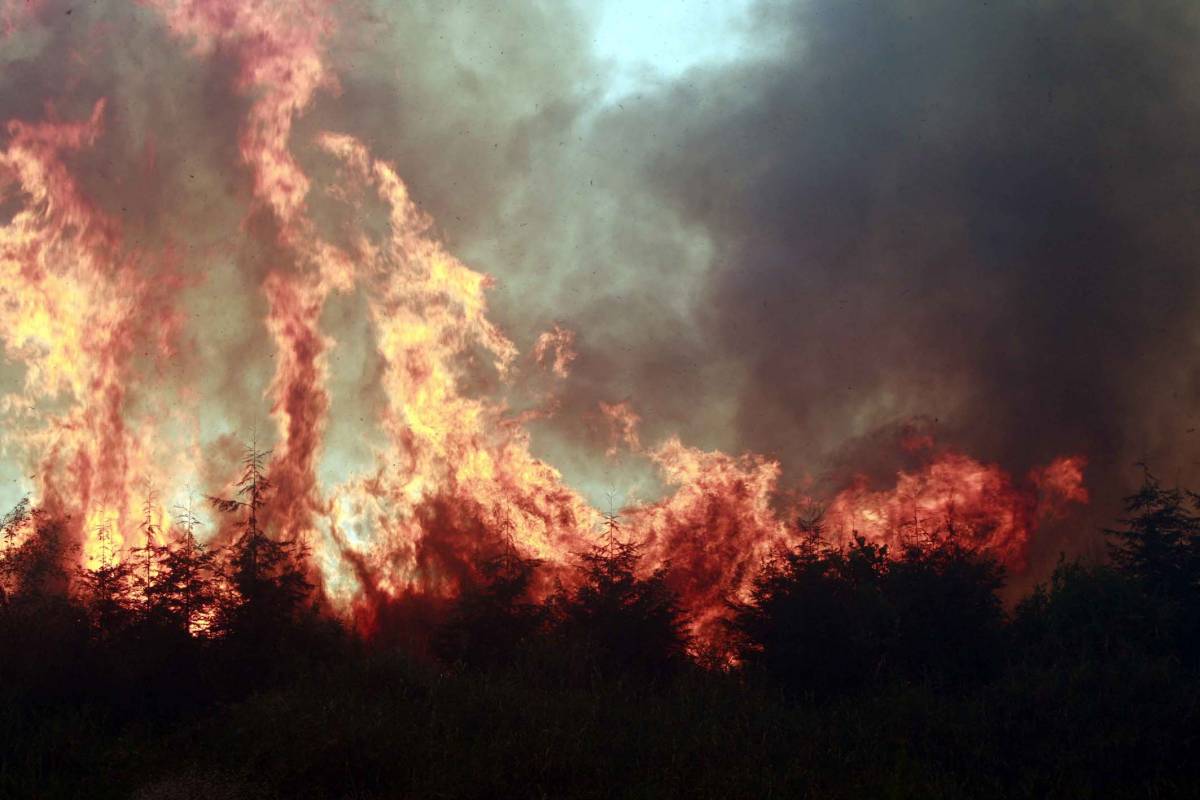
point(189, 671)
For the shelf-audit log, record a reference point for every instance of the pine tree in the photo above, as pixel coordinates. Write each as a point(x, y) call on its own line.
point(106, 587)
point(266, 575)
point(146, 559)
point(1159, 544)
point(616, 621)
point(183, 590)
point(494, 619)
point(1159, 548)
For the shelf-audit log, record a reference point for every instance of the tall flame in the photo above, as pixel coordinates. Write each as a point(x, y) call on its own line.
point(453, 467)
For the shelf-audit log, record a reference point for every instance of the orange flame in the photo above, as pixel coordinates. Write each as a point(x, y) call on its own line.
point(452, 469)
point(556, 346)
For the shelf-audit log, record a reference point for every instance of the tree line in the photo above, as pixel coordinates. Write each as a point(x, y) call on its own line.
point(177, 627)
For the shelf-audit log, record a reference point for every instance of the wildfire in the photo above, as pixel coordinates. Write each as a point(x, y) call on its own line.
point(976, 501)
point(452, 468)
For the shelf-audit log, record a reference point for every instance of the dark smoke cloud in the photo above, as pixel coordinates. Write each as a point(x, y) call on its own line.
point(981, 215)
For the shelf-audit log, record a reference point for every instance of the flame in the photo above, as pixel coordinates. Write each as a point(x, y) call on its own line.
point(89, 316)
point(717, 528)
point(16, 14)
point(623, 424)
point(72, 306)
point(556, 346)
point(430, 313)
point(977, 501)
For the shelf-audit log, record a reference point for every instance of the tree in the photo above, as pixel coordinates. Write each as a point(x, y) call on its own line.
point(614, 621)
point(824, 619)
point(1159, 543)
point(493, 620)
point(182, 592)
point(946, 609)
point(265, 575)
point(12, 525)
point(34, 553)
point(146, 559)
point(817, 621)
point(1089, 614)
point(1158, 546)
point(106, 587)
point(43, 631)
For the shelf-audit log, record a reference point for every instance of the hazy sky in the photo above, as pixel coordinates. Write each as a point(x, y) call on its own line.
point(649, 43)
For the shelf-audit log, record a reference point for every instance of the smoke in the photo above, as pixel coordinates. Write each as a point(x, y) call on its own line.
point(969, 214)
point(975, 213)
point(975, 216)
point(890, 257)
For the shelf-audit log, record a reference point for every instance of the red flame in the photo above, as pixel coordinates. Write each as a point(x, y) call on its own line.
point(977, 501)
point(452, 468)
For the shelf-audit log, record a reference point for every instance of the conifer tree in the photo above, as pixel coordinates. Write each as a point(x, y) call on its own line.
point(106, 586)
point(265, 575)
point(495, 618)
point(145, 562)
point(1159, 543)
point(183, 590)
point(1158, 546)
point(617, 621)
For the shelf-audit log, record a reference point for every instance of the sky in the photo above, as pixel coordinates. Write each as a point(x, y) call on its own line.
point(648, 44)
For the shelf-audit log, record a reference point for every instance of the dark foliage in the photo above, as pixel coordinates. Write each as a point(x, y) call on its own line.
point(192, 671)
point(947, 618)
point(494, 621)
point(1158, 546)
point(615, 622)
point(817, 619)
point(262, 615)
point(825, 619)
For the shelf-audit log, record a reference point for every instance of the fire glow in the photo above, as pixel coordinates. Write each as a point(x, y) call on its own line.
point(92, 316)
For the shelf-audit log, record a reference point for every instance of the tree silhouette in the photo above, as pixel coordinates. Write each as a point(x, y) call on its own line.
point(1088, 614)
point(44, 633)
point(1158, 546)
point(265, 575)
point(11, 527)
point(947, 616)
point(182, 592)
point(146, 559)
point(1159, 543)
point(614, 621)
point(31, 564)
point(106, 587)
point(494, 619)
point(817, 620)
point(823, 619)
